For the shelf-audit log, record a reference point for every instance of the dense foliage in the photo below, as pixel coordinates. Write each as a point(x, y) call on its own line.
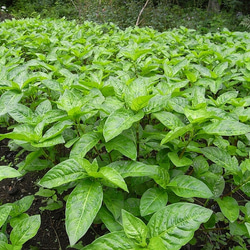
point(146, 132)
point(159, 14)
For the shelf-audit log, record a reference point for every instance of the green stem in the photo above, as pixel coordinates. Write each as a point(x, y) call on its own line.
point(137, 141)
point(189, 140)
point(98, 153)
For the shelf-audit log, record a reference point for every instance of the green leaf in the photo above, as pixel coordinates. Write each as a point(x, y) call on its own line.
point(25, 230)
point(222, 158)
point(247, 224)
point(134, 228)
point(116, 240)
point(22, 114)
point(64, 172)
point(49, 142)
point(136, 169)
point(71, 101)
point(86, 142)
point(114, 177)
point(4, 213)
point(140, 102)
point(227, 128)
point(215, 182)
point(187, 186)
point(82, 207)
point(114, 201)
point(8, 172)
point(8, 100)
point(56, 130)
point(179, 162)
point(226, 97)
point(177, 132)
point(220, 68)
point(229, 207)
point(174, 225)
point(153, 200)
point(118, 121)
point(168, 119)
point(22, 205)
point(43, 108)
point(109, 220)
point(198, 116)
point(124, 145)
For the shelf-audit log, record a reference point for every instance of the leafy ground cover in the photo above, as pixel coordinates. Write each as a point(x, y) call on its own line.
point(142, 132)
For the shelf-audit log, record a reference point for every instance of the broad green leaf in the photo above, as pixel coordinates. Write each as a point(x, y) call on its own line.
point(174, 225)
point(134, 169)
point(56, 130)
point(22, 114)
point(132, 205)
point(191, 76)
point(111, 175)
point(222, 158)
point(115, 240)
point(53, 85)
point(108, 219)
point(3, 238)
point(124, 145)
point(49, 143)
point(226, 97)
point(215, 182)
point(140, 102)
point(202, 70)
point(134, 228)
point(25, 230)
point(118, 121)
point(82, 207)
point(247, 224)
point(220, 68)
point(168, 119)
point(22, 205)
point(180, 65)
point(153, 200)
point(200, 165)
point(187, 186)
point(198, 97)
point(86, 142)
point(227, 128)
point(71, 101)
point(64, 172)
point(8, 172)
point(179, 162)
point(177, 132)
point(23, 132)
point(198, 116)
point(15, 220)
point(4, 213)
point(8, 100)
point(229, 207)
point(114, 201)
point(43, 108)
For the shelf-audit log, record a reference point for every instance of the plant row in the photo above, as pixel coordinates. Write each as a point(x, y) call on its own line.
point(148, 132)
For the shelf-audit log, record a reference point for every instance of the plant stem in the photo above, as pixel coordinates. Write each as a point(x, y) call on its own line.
point(98, 153)
point(137, 141)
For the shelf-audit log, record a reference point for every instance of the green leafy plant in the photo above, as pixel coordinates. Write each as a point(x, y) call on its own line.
point(24, 227)
point(146, 132)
